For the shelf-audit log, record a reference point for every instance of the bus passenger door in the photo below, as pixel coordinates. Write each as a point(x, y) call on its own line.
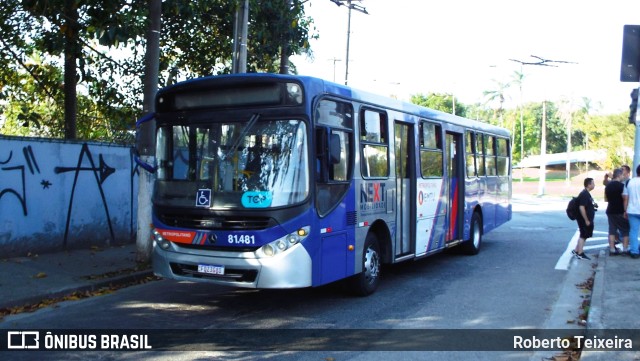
point(455, 179)
point(405, 172)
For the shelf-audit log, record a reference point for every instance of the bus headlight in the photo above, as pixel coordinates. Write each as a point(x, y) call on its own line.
point(293, 238)
point(163, 243)
point(284, 243)
point(268, 250)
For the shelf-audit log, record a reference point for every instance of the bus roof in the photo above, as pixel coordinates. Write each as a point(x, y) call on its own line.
point(331, 88)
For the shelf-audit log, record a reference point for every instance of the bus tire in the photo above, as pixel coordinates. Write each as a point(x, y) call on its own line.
point(366, 282)
point(472, 245)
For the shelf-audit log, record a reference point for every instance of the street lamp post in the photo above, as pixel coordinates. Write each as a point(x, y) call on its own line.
point(543, 143)
point(350, 6)
point(334, 66)
point(453, 104)
point(543, 150)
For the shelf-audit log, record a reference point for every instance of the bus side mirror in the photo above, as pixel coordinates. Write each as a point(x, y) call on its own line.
point(335, 149)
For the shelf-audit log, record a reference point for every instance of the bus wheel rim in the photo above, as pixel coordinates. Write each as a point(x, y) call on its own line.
point(371, 265)
point(476, 234)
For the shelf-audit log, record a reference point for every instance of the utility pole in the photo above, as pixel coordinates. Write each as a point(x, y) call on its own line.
point(568, 162)
point(350, 6)
point(543, 143)
point(346, 63)
point(543, 150)
point(633, 119)
point(146, 144)
point(630, 72)
point(453, 104)
point(334, 67)
point(240, 31)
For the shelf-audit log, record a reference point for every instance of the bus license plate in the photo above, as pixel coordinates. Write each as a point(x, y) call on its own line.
point(209, 269)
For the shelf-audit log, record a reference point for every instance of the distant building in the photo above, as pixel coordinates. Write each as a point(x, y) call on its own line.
point(556, 159)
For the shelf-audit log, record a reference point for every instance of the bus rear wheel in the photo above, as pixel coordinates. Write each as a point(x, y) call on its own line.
point(472, 245)
point(366, 282)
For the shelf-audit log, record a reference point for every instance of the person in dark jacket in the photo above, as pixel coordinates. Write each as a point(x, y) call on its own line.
point(585, 217)
point(618, 224)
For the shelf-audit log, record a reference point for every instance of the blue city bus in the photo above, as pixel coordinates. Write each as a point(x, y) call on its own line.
point(280, 181)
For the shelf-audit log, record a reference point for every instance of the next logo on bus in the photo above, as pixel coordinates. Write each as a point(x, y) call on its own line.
point(372, 196)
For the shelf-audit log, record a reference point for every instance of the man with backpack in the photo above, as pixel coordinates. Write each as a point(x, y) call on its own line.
point(586, 214)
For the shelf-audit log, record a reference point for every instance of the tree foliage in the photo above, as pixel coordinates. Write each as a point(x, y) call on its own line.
point(440, 101)
point(565, 122)
point(610, 132)
point(196, 40)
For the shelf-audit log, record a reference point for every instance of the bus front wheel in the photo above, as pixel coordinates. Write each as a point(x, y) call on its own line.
point(366, 282)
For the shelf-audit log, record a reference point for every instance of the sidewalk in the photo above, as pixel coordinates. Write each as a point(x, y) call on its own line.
point(614, 304)
point(26, 282)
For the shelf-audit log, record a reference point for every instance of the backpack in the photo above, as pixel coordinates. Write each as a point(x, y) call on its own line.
point(572, 208)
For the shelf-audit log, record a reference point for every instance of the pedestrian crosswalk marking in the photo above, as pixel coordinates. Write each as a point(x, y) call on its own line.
point(594, 243)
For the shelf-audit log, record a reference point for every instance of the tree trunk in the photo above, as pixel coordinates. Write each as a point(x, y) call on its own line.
point(284, 58)
point(146, 145)
point(71, 52)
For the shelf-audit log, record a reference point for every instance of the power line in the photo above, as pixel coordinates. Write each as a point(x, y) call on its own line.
point(543, 138)
point(543, 62)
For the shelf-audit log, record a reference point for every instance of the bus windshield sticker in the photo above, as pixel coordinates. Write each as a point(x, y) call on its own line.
point(203, 198)
point(256, 199)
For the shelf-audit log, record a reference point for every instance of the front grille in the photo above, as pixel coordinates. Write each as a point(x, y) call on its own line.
point(218, 248)
point(231, 274)
point(207, 222)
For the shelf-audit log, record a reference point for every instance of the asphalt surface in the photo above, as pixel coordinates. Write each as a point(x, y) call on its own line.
point(28, 283)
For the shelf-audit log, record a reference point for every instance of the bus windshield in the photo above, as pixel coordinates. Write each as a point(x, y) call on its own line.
point(252, 164)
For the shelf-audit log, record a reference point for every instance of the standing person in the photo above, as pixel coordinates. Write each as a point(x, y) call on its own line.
point(605, 182)
point(615, 213)
point(586, 214)
point(626, 173)
point(607, 179)
point(631, 198)
point(624, 178)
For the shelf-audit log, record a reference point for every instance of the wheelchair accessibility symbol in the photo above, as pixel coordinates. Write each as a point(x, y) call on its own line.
point(203, 198)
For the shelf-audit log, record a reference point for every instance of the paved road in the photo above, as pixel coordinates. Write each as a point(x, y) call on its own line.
point(514, 282)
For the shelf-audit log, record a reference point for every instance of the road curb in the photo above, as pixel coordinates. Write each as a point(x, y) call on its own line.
point(594, 318)
point(88, 286)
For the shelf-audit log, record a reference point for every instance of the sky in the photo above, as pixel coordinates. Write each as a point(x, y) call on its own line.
point(463, 47)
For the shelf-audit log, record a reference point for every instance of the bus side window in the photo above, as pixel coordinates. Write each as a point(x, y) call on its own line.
point(480, 155)
point(503, 157)
point(339, 167)
point(334, 153)
point(374, 143)
point(470, 150)
point(431, 156)
point(490, 155)
point(322, 163)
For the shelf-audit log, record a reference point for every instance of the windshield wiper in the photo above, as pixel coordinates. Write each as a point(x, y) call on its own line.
point(252, 122)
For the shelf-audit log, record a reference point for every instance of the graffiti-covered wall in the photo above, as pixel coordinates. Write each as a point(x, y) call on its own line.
point(58, 195)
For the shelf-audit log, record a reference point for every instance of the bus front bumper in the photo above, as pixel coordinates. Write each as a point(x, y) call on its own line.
point(290, 269)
